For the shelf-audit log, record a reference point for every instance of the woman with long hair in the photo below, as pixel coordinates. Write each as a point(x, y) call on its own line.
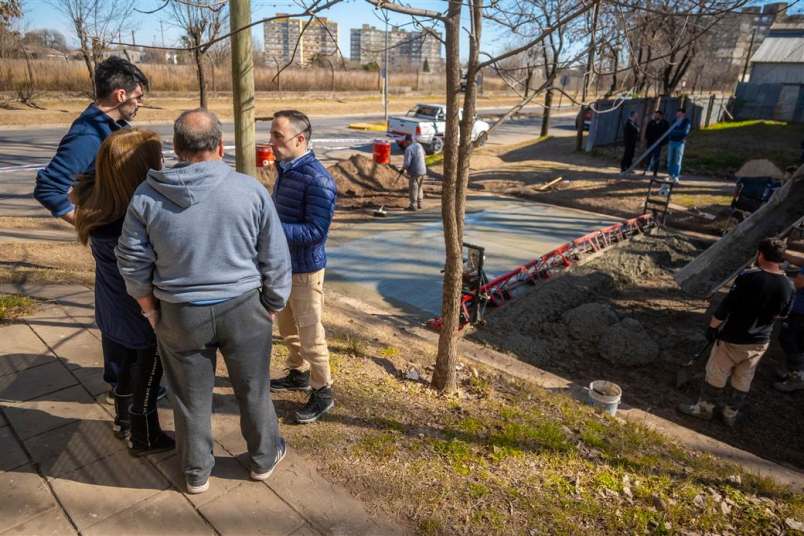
point(127, 338)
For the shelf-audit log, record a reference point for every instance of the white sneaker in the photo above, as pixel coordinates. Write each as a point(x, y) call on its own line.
point(676, 180)
point(195, 490)
point(283, 450)
point(664, 190)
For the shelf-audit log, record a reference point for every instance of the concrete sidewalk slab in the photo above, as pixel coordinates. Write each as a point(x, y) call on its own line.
point(49, 523)
point(106, 487)
point(33, 417)
point(159, 514)
point(21, 349)
point(35, 382)
point(55, 428)
point(25, 496)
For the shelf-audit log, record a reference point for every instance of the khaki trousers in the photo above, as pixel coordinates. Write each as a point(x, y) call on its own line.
point(736, 361)
point(415, 190)
point(301, 328)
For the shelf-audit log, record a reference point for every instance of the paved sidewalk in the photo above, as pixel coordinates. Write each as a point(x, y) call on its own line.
point(63, 472)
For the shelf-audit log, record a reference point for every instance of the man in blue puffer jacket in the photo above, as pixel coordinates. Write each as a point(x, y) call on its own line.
point(304, 196)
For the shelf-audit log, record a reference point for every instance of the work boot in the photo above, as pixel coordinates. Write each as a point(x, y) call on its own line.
point(122, 418)
point(319, 403)
point(410, 208)
point(162, 393)
point(793, 382)
point(147, 436)
point(296, 380)
point(730, 415)
point(701, 409)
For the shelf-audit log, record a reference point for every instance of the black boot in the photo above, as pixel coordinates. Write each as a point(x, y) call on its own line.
point(147, 436)
point(122, 408)
point(296, 380)
point(319, 403)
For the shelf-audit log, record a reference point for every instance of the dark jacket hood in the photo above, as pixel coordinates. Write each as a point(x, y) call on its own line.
point(187, 184)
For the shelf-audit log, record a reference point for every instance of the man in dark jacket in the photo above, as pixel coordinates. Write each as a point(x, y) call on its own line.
point(677, 139)
point(630, 139)
point(655, 130)
point(740, 331)
point(304, 195)
point(119, 88)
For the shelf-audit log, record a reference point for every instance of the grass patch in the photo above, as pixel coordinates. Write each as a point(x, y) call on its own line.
point(701, 200)
point(13, 306)
point(519, 460)
point(721, 149)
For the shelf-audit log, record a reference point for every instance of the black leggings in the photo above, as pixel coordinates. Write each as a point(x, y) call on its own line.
point(139, 374)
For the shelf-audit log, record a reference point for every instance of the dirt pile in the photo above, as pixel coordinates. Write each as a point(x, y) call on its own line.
point(359, 176)
point(628, 344)
point(590, 321)
point(570, 316)
point(760, 168)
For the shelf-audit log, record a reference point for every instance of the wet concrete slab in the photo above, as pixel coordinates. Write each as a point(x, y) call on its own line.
point(397, 261)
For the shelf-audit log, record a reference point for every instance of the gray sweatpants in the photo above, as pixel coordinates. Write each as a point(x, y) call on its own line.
point(189, 337)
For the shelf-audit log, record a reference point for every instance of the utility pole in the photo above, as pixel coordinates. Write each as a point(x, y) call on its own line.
point(385, 73)
point(590, 62)
point(243, 87)
point(748, 57)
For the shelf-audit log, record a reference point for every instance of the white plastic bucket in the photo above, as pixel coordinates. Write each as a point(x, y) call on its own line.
point(605, 395)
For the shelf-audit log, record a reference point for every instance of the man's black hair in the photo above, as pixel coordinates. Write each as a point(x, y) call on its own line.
point(659, 112)
point(117, 73)
point(682, 110)
point(772, 249)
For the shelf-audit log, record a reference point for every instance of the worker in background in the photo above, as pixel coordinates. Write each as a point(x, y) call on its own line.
point(630, 139)
point(416, 170)
point(653, 132)
point(791, 336)
point(678, 139)
point(740, 331)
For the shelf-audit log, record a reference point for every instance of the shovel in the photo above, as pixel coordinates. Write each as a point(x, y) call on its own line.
point(684, 374)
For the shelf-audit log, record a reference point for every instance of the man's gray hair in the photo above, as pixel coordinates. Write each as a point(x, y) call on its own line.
point(196, 131)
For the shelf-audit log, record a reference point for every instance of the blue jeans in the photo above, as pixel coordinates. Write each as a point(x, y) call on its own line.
point(675, 152)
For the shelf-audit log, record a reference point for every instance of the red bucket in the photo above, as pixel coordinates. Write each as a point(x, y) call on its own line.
point(265, 155)
point(382, 151)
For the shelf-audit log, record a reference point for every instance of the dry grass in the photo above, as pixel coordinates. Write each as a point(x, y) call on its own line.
point(72, 76)
point(42, 262)
point(13, 306)
point(507, 457)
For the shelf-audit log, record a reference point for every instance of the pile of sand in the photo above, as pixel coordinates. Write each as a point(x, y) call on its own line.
point(628, 344)
point(760, 168)
point(360, 175)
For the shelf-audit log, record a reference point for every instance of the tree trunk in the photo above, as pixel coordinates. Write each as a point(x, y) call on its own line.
point(548, 102)
point(444, 378)
point(202, 81)
point(243, 87)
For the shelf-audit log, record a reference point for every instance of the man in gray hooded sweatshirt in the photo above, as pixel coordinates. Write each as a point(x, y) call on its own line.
point(204, 254)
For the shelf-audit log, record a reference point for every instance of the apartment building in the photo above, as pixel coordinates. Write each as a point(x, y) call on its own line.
point(285, 43)
point(407, 50)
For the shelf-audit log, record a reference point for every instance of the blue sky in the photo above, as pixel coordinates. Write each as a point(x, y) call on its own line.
point(348, 14)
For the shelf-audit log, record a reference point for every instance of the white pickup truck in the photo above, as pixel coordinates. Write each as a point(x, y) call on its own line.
point(427, 123)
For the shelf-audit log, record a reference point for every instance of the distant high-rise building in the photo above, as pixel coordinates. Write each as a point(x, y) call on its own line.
point(405, 49)
point(283, 46)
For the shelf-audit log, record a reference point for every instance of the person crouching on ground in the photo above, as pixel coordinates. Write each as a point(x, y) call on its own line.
point(100, 202)
point(203, 252)
point(305, 198)
point(740, 331)
point(416, 168)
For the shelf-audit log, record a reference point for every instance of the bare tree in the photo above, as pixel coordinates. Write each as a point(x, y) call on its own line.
point(202, 23)
point(95, 23)
point(9, 11)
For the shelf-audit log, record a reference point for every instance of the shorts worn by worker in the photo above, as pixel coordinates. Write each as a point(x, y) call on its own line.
point(736, 361)
point(301, 328)
point(416, 190)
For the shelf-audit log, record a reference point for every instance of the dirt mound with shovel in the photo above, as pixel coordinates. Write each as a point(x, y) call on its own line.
point(359, 175)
